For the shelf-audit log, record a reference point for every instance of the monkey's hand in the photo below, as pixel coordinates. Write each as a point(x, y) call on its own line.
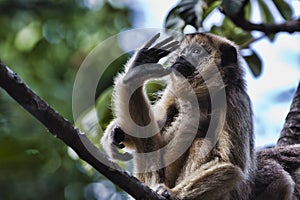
point(143, 65)
point(152, 54)
point(112, 143)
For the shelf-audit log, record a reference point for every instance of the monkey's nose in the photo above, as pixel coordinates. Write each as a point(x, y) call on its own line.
point(182, 56)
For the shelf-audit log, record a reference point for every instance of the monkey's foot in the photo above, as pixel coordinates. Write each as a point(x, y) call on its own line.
point(163, 191)
point(112, 143)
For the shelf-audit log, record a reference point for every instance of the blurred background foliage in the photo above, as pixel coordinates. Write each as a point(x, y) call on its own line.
point(45, 42)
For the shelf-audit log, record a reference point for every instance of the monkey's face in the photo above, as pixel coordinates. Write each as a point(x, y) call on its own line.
point(190, 59)
point(200, 51)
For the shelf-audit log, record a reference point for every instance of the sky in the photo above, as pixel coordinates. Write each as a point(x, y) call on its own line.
point(272, 92)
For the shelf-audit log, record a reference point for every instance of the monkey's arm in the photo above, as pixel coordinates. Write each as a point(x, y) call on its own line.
point(135, 117)
point(131, 106)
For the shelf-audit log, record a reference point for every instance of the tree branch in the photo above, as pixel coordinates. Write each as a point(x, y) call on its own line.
point(290, 133)
point(71, 136)
point(240, 21)
point(252, 40)
point(290, 26)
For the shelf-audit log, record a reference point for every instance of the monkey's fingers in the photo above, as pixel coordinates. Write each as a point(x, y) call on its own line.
point(171, 46)
point(162, 43)
point(151, 41)
point(165, 53)
point(120, 146)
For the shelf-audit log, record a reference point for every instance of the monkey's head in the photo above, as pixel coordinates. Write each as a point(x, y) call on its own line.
point(200, 51)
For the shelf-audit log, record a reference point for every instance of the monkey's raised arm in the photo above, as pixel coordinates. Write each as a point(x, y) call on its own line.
point(130, 103)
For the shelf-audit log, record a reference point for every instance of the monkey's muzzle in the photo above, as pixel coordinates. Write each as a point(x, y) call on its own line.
point(184, 67)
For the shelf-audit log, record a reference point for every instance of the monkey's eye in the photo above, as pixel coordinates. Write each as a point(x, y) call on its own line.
point(197, 51)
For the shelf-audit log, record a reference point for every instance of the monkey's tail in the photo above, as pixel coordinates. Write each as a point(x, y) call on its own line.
point(289, 142)
point(287, 150)
point(290, 133)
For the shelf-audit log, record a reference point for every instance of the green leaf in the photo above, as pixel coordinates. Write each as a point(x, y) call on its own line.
point(90, 120)
point(248, 11)
point(186, 12)
point(284, 9)
point(191, 12)
point(230, 31)
point(265, 12)
point(210, 8)
point(28, 37)
point(173, 20)
point(152, 88)
point(103, 107)
point(232, 7)
point(254, 62)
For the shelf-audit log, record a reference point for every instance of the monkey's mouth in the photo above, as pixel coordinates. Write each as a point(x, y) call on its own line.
point(184, 67)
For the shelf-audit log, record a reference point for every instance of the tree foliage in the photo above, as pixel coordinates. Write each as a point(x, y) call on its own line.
point(196, 12)
point(45, 42)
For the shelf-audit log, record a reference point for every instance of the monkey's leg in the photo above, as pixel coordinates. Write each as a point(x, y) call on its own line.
point(135, 117)
point(133, 111)
point(132, 108)
point(213, 180)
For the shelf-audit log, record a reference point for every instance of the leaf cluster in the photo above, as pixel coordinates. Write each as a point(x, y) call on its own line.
point(195, 12)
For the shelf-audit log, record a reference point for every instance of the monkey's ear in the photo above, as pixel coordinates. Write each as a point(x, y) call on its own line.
point(228, 54)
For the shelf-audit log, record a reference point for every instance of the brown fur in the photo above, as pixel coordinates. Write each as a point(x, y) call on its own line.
point(277, 175)
point(202, 169)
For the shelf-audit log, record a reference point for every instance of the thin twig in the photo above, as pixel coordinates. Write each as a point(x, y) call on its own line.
point(71, 136)
point(246, 44)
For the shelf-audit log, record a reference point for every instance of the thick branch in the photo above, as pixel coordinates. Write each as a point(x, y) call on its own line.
point(64, 130)
point(290, 133)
